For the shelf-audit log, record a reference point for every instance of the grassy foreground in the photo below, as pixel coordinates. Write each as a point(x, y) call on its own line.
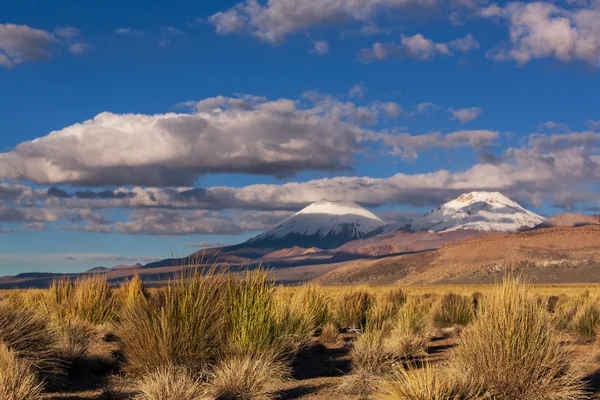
point(210, 335)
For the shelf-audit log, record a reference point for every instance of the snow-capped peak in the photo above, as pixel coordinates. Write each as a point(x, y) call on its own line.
point(324, 224)
point(488, 211)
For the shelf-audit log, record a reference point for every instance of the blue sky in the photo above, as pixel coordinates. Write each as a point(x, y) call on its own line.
point(178, 124)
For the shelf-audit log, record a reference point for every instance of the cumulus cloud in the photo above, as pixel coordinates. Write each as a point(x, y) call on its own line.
point(408, 146)
point(70, 36)
point(553, 126)
point(245, 134)
point(465, 115)
point(237, 135)
point(543, 30)
point(417, 47)
point(20, 43)
point(273, 21)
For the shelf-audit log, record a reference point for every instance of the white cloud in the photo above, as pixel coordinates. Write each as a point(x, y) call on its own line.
point(320, 47)
point(167, 34)
point(356, 91)
point(553, 126)
point(128, 32)
point(465, 115)
point(20, 43)
point(70, 36)
point(543, 30)
point(238, 135)
point(408, 146)
point(417, 47)
point(273, 21)
point(594, 124)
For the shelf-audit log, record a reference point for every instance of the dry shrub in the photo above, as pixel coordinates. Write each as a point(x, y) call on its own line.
point(247, 377)
point(18, 380)
point(425, 383)
point(395, 297)
point(182, 325)
point(351, 310)
point(410, 334)
point(302, 314)
point(330, 334)
point(565, 312)
point(252, 322)
point(453, 309)
point(512, 350)
point(169, 383)
point(32, 339)
point(133, 291)
point(369, 352)
point(75, 337)
point(586, 321)
point(551, 303)
point(360, 382)
point(89, 298)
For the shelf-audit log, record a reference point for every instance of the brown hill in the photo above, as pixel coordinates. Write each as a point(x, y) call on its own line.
point(543, 255)
point(568, 220)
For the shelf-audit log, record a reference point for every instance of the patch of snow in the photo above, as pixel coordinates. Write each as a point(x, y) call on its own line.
point(487, 211)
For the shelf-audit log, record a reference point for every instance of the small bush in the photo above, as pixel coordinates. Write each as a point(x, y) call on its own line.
point(453, 309)
point(351, 310)
point(586, 321)
point(252, 320)
point(30, 336)
point(329, 334)
point(395, 297)
point(566, 310)
point(551, 303)
point(246, 378)
point(512, 352)
point(133, 291)
point(425, 383)
point(18, 381)
point(369, 353)
point(410, 334)
point(169, 383)
point(183, 325)
point(75, 337)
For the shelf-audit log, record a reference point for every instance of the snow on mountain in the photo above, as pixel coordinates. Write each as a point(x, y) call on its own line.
point(324, 224)
point(486, 211)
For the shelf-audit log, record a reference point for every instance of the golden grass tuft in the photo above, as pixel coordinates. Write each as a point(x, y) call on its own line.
point(352, 309)
point(247, 378)
point(330, 334)
point(453, 309)
point(425, 383)
point(169, 383)
point(133, 291)
point(18, 380)
point(586, 321)
point(410, 334)
point(512, 351)
point(182, 325)
point(30, 336)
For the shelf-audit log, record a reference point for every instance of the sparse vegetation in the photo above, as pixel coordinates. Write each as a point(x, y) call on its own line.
point(207, 334)
point(18, 380)
point(453, 309)
point(512, 351)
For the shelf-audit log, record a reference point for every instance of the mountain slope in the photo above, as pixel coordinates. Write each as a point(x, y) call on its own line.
point(568, 220)
point(486, 211)
point(324, 224)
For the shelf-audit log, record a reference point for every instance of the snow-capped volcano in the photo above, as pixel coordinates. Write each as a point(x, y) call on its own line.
point(485, 211)
point(324, 224)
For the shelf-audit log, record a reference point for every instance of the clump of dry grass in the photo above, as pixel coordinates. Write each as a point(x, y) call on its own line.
point(31, 337)
point(133, 291)
point(302, 314)
point(89, 298)
point(586, 321)
point(75, 337)
point(352, 309)
point(426, 383)
point(247, 377)
point(512, 351)
point(169, 383)
point(329, 334)
point(18, 380)
point(566, 310)
point(452, 310)
point(410, 334)
point(252, 322)
point(183, 324)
